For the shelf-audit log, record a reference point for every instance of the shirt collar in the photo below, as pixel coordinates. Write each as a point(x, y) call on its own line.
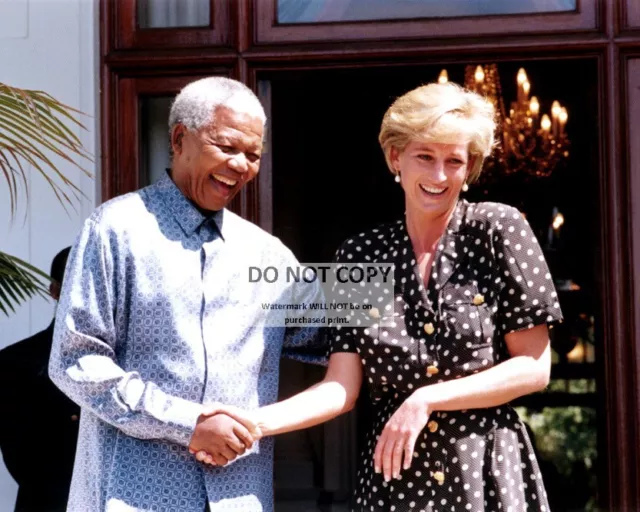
point(186, 214)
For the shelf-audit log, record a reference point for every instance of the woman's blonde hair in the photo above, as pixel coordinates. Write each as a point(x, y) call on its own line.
point(443, 113)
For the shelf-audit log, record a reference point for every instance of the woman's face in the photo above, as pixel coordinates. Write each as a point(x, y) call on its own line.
point(432, 175)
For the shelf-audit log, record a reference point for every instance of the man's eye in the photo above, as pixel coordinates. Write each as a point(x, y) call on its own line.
point(253, 158)
point(226, 149)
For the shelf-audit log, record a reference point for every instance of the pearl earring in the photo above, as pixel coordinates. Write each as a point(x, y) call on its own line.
point(465, 187)
point(397, 178)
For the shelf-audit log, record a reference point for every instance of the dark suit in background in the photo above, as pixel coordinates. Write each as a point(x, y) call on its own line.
point(38, 423)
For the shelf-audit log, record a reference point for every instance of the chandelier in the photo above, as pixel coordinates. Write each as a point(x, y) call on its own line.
point(527, 142)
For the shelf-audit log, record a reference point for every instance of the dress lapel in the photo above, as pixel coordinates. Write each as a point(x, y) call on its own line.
point(449, 254)
point(448, 258)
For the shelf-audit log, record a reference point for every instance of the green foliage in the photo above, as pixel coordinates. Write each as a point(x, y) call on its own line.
point(34, 130)
point(19, 281)
point(566, 437)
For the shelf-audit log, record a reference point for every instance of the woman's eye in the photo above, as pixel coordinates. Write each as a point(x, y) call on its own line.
point(425, 157)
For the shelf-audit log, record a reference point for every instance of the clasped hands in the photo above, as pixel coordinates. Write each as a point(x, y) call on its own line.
point(222, 434)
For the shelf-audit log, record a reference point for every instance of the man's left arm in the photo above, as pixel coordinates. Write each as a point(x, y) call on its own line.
point(305, 337)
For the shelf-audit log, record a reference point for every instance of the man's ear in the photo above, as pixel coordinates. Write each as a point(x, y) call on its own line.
point(54, 290)
point(177, 135)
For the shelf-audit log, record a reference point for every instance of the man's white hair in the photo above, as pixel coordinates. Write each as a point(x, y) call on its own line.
point(195, 105)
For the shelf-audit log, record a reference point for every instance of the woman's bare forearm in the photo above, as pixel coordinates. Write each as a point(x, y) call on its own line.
point(496, 386)
point(527, 371)
point(333, 396)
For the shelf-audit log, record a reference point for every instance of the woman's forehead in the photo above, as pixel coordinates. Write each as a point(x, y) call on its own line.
point(453, 144)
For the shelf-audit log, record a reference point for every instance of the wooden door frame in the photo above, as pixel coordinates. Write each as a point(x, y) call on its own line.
point(616, 41)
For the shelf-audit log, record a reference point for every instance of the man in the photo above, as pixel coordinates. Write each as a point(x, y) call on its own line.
point(158, 322)
point(37, 418)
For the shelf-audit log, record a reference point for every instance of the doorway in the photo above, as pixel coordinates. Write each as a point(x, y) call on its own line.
point(329, 181)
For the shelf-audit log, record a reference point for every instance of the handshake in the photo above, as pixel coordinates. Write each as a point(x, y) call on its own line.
point(222, 434)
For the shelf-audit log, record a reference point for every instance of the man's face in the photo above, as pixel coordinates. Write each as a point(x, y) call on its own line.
point(211, 165)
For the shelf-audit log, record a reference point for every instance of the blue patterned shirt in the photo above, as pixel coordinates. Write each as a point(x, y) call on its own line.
point(157, 317)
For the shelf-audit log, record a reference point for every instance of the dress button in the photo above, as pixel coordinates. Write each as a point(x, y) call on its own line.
point(478, 299)
point(429, 329)
point(374, 313)
point(439, 477)
point(432, 370)
point(432, 426)
point(74, 417)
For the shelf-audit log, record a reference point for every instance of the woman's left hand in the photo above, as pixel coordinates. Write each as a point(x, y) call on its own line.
point(400, 435)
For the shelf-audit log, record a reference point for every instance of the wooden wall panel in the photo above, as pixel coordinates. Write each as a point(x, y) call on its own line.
point(633, 147)
point(218, 30)
point(632, 14)
point(588, 17)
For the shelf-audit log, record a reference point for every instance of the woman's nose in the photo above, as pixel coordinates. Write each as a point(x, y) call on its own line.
point(437, 171)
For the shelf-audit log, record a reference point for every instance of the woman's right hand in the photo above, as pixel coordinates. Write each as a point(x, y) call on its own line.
point(246, 418)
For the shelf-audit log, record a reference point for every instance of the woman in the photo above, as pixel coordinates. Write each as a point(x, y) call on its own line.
point(467, 334)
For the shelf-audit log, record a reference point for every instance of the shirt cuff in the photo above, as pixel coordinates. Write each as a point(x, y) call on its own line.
point(182, 417)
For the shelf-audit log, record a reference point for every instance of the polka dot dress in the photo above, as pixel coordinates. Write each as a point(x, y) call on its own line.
point(489, 278)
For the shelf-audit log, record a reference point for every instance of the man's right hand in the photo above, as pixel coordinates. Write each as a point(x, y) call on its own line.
point(219, 439)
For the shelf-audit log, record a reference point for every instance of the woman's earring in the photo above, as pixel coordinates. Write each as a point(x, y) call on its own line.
point(397, 178)
point(465, 188)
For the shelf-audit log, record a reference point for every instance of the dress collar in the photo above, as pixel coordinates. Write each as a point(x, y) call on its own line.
point(449, 254)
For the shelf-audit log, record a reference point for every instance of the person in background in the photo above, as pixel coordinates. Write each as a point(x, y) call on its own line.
point(39, 425)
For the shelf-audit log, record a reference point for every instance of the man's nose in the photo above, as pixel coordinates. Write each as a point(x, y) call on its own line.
point(238, 162)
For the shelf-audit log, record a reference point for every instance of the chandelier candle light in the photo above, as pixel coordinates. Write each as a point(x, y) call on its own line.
point(528, 143)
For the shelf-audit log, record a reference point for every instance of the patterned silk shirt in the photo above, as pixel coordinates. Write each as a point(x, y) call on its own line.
point(157, 317)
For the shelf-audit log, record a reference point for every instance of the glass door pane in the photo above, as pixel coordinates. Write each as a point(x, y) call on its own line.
point(154, 138)
point(173, 13)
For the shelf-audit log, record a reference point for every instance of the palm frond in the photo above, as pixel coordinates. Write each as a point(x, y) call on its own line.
point(34, 127)
point(19, 282)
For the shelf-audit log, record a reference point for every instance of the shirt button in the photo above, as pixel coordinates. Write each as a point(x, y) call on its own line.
point(439, 477)
point(429, 329)
point(74, 417)
point(432, 426)
point(374, 313)
point(432, 370)
point(478, 299)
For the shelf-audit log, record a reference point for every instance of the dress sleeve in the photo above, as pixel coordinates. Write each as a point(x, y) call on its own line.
point(528, 296)
point(343, 338)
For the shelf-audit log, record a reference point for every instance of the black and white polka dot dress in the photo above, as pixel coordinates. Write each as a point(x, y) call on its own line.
point(489, 278)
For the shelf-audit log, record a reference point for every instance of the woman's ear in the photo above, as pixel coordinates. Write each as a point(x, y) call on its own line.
point(394, 157)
